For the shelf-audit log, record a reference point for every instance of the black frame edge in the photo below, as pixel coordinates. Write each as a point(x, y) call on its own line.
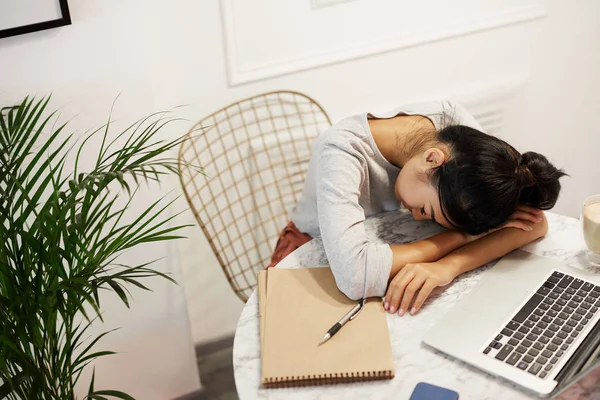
point(40, 26)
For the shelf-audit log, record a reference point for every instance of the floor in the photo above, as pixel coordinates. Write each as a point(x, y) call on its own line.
point(215, 364)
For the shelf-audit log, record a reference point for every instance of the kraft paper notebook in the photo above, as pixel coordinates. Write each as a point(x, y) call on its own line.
point(296, 308)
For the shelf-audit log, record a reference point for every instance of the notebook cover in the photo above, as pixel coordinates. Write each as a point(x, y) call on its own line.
point(301, 305)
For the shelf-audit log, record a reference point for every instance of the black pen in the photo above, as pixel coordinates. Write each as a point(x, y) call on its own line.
point(350, 315)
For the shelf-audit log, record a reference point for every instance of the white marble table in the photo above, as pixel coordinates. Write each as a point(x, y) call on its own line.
point(414, 362)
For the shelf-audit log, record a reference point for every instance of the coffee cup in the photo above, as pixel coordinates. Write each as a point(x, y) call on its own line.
point(590, 217)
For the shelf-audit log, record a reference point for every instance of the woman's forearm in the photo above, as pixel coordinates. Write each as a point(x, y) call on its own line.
point(427, 250)
point(491, 247)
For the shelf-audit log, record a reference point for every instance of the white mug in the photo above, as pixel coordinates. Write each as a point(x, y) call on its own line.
point(590, 221)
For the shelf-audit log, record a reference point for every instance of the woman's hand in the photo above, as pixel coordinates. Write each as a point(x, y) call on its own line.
point(522, 216)
point(415, 279)
point(521, 219)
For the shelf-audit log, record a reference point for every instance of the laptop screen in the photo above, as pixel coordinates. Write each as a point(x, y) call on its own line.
point(584, 366)
point(586, 384)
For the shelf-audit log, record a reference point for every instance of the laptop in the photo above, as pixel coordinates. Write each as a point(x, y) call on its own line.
point(531, 320)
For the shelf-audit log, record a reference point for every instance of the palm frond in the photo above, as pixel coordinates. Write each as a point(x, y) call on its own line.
point(60, 237)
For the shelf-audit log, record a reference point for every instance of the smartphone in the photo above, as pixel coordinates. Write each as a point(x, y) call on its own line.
point(427, 391)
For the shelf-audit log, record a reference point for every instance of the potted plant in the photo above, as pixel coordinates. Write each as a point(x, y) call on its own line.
point(61, 233)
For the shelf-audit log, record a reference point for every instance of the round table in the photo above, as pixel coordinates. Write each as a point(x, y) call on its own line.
point(414, 363)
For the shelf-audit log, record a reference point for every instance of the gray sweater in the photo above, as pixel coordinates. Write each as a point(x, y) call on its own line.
point(348, 179)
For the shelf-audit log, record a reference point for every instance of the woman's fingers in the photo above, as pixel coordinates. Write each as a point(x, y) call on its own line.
point(391, 288)
point(422, 296)
point(398, 291)
point(529, 209)
point(526, 216)
point(519, 225)
point(409, 294)
point(523, 217)
point(387, 298)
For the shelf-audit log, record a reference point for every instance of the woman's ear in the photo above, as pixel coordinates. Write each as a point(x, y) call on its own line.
point(434, 157)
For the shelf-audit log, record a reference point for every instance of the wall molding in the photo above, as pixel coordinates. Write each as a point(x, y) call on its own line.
point(487, 101)
point(327, 3)
point(238, 73)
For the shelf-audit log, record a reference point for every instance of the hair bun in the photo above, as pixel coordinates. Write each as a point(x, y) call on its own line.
point(524, 176)
point(539, 181)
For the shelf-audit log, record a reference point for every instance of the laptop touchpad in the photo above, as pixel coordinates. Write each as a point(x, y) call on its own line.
point(504, 287)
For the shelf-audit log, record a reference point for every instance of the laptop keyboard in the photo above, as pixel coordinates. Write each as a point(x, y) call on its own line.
point(547, 325)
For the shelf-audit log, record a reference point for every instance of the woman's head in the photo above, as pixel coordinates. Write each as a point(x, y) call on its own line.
point(472, 181)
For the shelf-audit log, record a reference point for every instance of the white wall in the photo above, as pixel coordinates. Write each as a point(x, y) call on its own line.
point(160, 54)
point(552, 113)
point(86, 66)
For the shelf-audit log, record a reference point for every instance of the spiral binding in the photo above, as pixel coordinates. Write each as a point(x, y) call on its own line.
point(326, 379)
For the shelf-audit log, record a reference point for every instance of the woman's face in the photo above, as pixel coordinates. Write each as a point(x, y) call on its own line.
point(415, 192)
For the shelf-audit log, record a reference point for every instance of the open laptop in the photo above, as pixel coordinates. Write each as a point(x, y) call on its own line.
point(531, 320)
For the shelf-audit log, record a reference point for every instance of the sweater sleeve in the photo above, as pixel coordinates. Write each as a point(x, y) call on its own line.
point(361, 269)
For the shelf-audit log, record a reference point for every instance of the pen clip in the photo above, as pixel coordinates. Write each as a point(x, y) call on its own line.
point(362, 304)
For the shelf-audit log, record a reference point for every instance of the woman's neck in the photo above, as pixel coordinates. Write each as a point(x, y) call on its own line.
point(395, 137)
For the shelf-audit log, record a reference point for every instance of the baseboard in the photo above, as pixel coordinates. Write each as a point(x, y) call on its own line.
point(195, 395)
point(213, 346)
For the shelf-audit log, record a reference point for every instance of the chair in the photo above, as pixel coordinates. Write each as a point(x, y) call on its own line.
point(254, 154)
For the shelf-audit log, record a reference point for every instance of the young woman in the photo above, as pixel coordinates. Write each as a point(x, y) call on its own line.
point(434, 159)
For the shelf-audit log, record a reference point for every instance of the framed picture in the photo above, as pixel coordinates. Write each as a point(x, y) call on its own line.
point(24, 16)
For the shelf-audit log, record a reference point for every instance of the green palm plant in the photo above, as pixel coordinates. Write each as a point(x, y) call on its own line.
point(60, 237)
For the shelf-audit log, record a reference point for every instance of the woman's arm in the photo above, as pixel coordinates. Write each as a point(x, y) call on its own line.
point(424, 277)
point(426, 250)
point(495, 245)
point(437, 246)
point(360, 267)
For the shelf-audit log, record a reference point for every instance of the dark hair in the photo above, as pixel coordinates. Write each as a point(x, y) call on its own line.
point(485, 179)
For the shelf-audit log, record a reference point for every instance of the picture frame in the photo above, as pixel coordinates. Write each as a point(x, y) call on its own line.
point(32, 16)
